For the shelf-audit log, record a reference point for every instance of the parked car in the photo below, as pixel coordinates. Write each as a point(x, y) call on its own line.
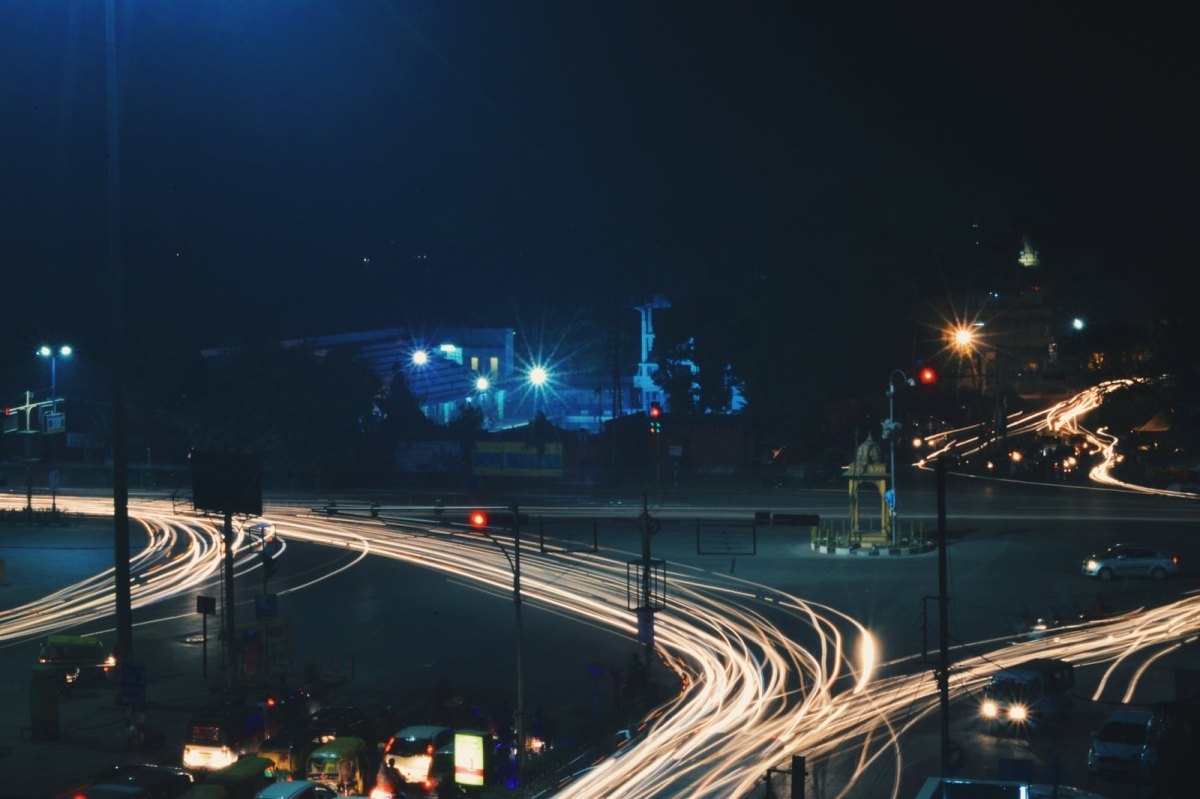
point(1127, 744)
point(1024, 695)
point(1131, 560)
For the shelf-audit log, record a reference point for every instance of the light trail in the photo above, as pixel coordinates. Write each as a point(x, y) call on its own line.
point(763, 674)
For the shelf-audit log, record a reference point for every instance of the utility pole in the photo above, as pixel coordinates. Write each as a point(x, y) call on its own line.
point(124, 605)
point(943, 671)
point(230, 650)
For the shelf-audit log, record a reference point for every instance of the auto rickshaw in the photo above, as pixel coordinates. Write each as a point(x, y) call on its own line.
point(243, 778)
point(288, 752)
point(344, 764)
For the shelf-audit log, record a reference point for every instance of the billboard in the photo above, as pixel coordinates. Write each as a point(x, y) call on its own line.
point(226, 482)
point(469, 752)
point(514, 459)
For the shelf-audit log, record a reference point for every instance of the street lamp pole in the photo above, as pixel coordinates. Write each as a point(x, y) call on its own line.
point(889, 432)
point(52, 354)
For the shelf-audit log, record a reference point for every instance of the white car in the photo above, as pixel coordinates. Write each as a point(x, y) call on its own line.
point(421, 754)
point(1131, 560)
point(1127, 744)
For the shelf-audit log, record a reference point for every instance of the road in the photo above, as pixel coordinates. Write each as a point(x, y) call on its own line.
point(784, 651)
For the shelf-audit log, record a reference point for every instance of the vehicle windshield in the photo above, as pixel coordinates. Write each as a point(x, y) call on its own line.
point(1008, 689)
point(408, 747)
point(205, 734)
point(1121, 732)
point(323, 764)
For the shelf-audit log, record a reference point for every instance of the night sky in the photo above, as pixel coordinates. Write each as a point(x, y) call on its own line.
point(296, 168)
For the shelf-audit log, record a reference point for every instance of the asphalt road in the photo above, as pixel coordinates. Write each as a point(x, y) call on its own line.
point(1014, 553)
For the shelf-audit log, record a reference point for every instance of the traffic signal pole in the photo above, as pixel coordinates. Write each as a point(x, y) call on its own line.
point(516, 521)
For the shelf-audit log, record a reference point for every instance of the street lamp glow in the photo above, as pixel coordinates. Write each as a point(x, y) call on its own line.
point(538, 376)
point(964, 338)
point(1077, 323)
point(420, 357)
point(482, 383)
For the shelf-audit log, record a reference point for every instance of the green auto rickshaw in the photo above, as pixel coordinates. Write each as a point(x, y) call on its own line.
point(243, 778)
point(344, 764)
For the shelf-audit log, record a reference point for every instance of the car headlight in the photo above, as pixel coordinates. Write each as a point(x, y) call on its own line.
point(1017, 712)
point(1091, 565)
point(989, 710)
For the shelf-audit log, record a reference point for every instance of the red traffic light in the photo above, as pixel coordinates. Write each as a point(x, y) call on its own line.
point(927, 375)
point(655, 410)
point(478, 519)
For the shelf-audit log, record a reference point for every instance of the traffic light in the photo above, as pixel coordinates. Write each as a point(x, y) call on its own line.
point(927, 376)
point(478, 518)
point(655, 410)
point(655, 417)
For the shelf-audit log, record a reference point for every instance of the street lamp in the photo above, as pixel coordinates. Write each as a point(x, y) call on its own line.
point(890, 427)
point(537, 376)
point(54, 354)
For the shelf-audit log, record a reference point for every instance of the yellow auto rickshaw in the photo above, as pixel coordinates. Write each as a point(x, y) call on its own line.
point(344, 764)
point(288, 753)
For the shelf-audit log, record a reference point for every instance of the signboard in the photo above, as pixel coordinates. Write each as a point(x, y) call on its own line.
point(675, 450)
point(54, 422)
point(206, 605)
point(514, 459)
point(226, 482)
point(469, 758)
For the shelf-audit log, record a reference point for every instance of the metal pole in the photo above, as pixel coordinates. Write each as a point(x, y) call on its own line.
point(892, 452)
point(204, 645)
point(516, 514)
point(124, 605)
point(53, 440)
point(943, 620)
point(230, 651)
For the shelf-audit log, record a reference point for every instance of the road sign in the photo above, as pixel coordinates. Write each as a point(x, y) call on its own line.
point(54, 422)
point(206, 605)
point(675, 450)
point(889, 497)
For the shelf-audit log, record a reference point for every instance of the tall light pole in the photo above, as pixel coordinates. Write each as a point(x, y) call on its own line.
point(890, 426)
point(53, 354)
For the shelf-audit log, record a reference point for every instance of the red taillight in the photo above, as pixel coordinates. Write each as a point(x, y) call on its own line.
point(429, 749)
point(391, 741)
point(429, 784)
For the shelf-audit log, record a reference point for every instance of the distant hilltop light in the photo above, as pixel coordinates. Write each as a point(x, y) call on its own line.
point(1077, 323)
